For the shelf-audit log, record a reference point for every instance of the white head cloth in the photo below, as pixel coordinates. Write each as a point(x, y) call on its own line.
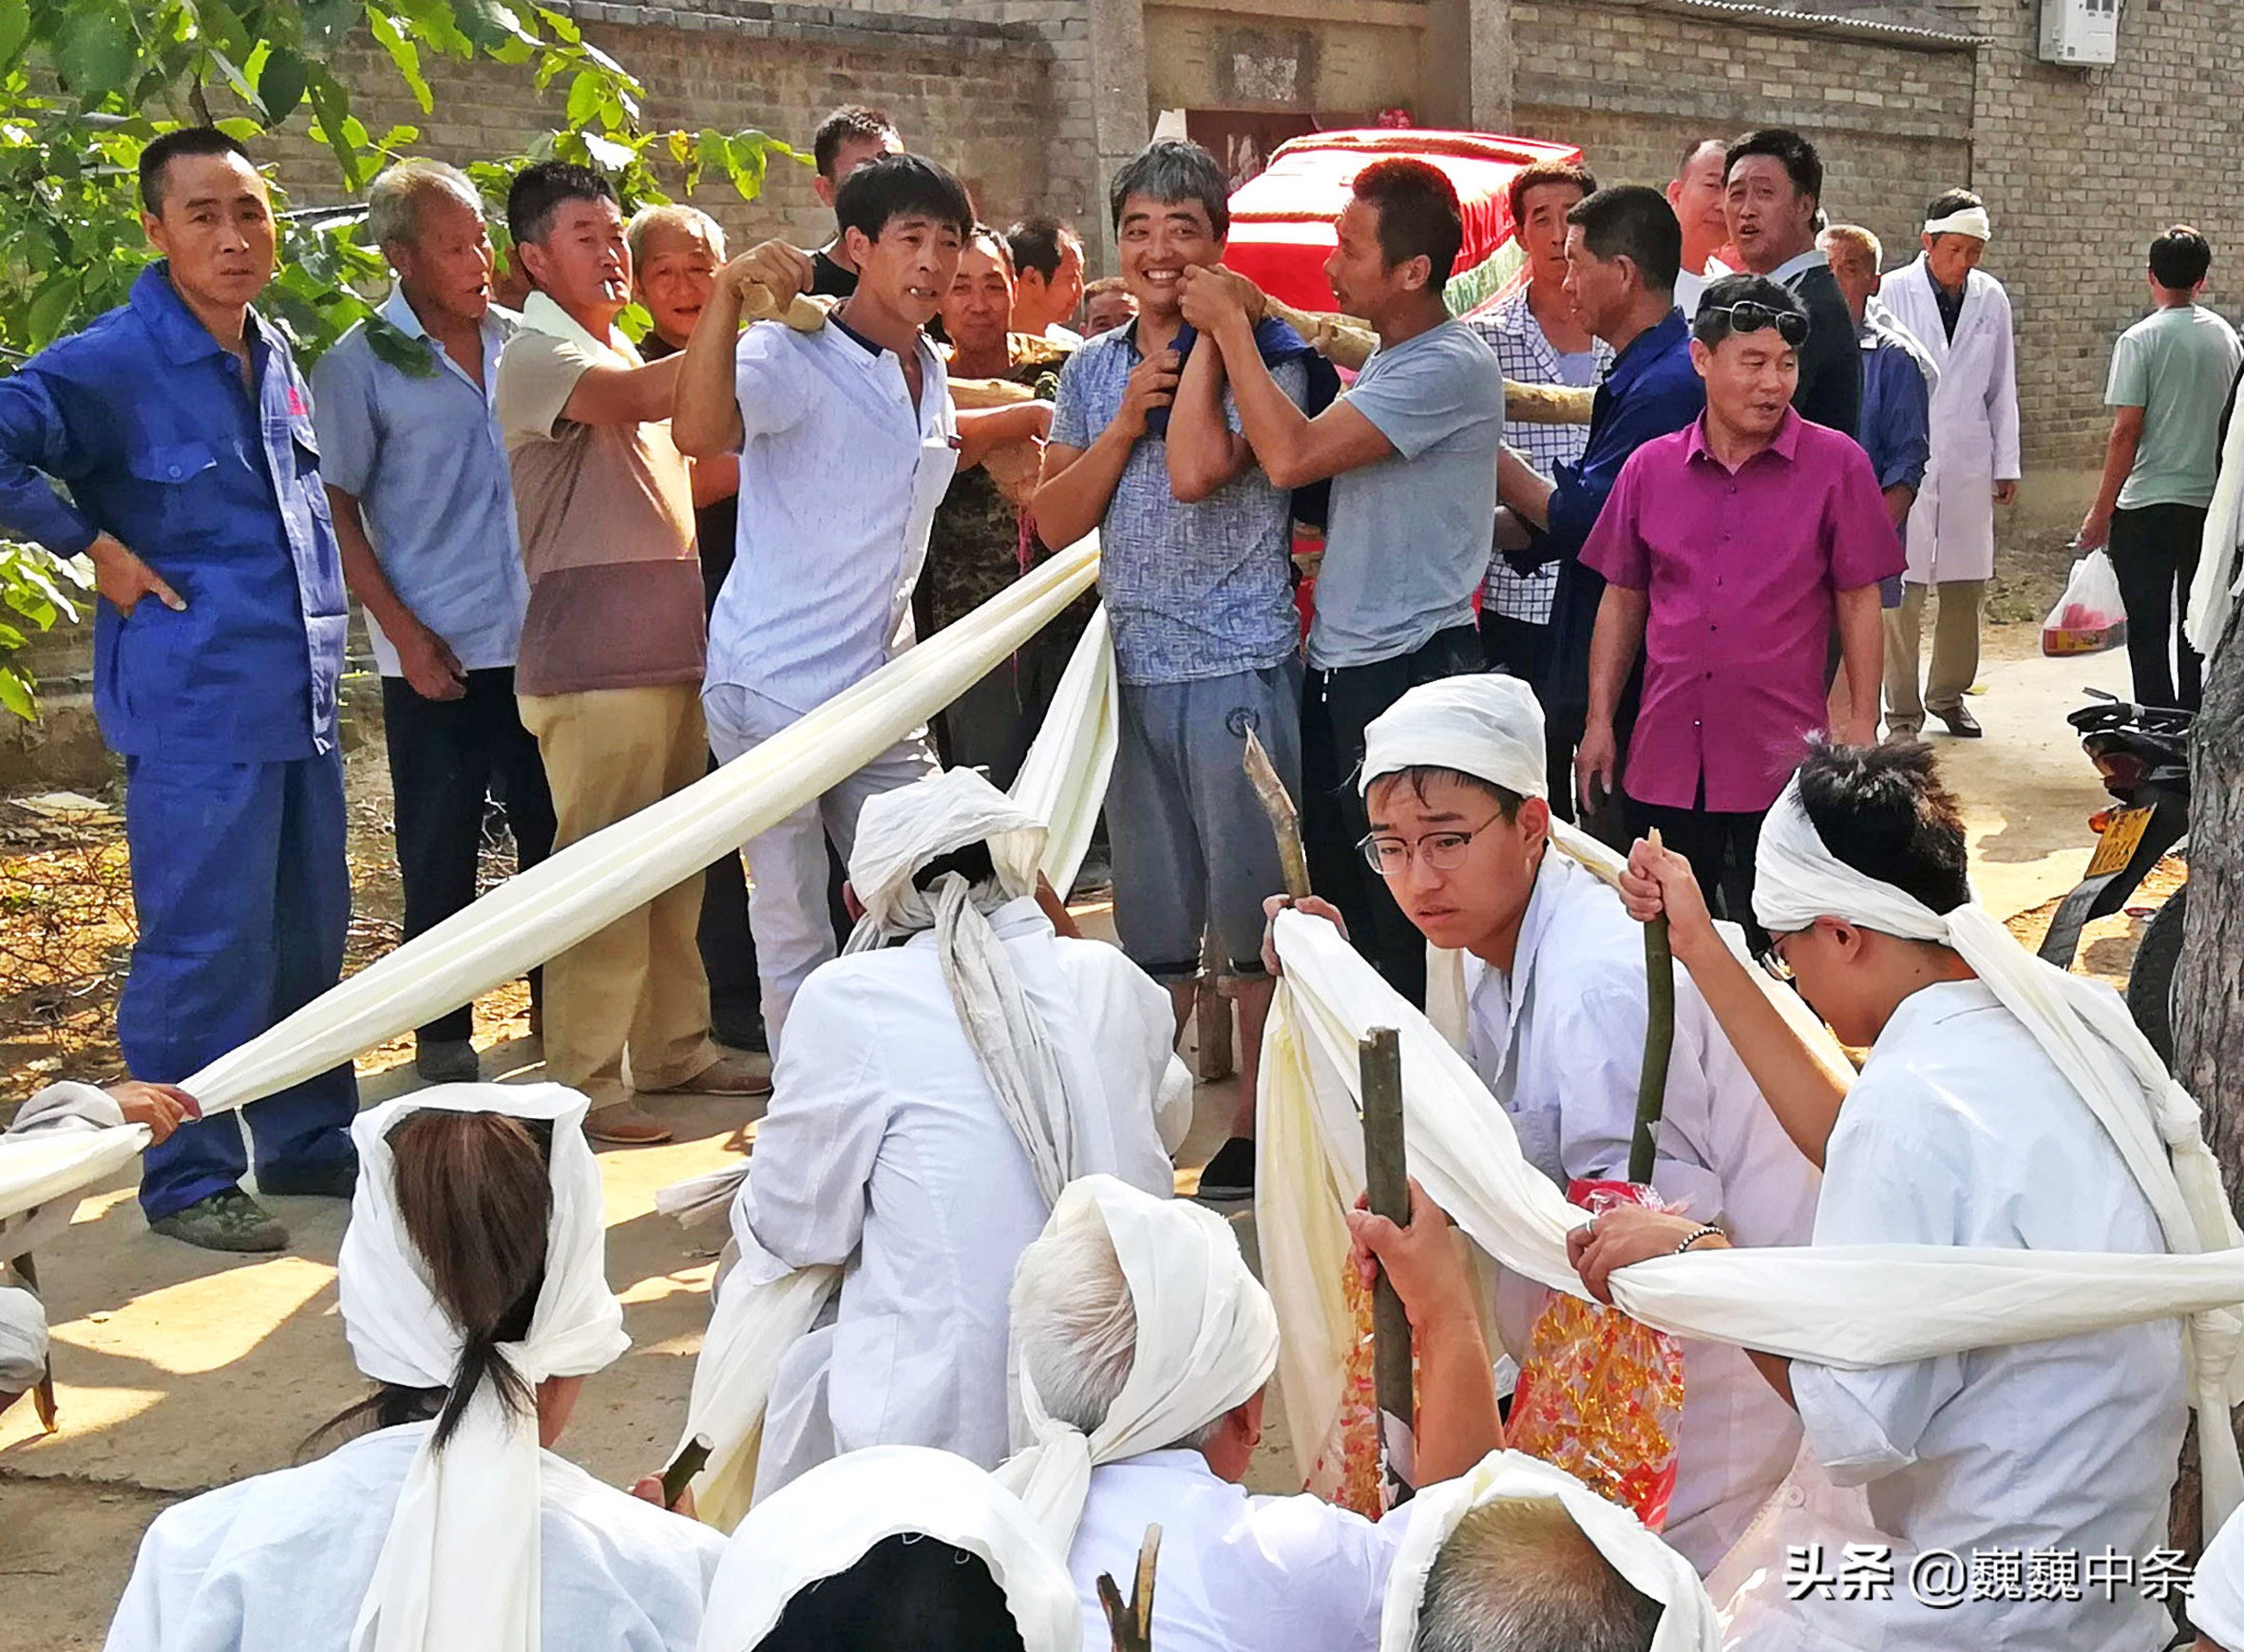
point(2086, 1032)
point(1687, 1624)
point(822, 1525)
point(1971, 221)
point(460, 1565)
point(1207, 1341)
point(897, 833)
point(1488, 725)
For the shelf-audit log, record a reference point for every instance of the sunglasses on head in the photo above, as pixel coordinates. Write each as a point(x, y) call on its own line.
point(1748, 315)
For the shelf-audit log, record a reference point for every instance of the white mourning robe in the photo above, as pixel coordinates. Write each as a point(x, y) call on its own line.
point(2217, 1593)
point(884, 1149)
point(1961, 1131)
point(1952, 526)
point(1238, 1573)
point(1560, 1045)
point(23, 1320)
point(281, 1563)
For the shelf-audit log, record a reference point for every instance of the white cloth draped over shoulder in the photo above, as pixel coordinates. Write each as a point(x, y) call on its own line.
point(2086, 1032)
point(460, 1565)
point(1687, 1622)
point(823, 1524)
point(1207, 1341)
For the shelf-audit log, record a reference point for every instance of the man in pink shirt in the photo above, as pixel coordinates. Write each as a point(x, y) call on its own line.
point(1730, 550)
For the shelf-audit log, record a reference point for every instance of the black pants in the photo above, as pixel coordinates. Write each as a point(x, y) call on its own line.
point(1719, 848)
point(2155, 553)
point(1337, 706)
point(449, 762)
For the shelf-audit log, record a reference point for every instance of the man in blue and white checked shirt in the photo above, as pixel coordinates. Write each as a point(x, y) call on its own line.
point(1538, 340)
point(1194, 567)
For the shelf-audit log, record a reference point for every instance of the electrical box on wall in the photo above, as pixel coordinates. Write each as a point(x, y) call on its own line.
point(2082, 34)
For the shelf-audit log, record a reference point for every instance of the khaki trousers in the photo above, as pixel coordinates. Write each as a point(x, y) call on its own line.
point(1955, 653)
point(637, 985)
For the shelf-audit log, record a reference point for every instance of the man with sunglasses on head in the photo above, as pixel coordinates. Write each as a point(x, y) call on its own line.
point(1556, 1003)
point(1728, 550)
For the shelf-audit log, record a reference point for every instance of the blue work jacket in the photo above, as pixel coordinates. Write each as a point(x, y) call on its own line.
point(144, 418)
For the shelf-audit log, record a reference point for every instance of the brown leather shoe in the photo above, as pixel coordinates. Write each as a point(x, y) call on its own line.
point(1961, 723)
point(625, 1126)
point(723, 1076)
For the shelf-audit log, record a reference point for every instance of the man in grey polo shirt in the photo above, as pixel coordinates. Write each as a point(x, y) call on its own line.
point(424, 512)
point(1410, 450)
point(1193, 543)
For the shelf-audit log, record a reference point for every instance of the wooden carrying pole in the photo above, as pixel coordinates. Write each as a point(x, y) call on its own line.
point(1131, 1626)
point(1386, 1184)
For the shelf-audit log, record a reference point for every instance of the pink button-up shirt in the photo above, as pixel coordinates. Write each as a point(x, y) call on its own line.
point(1741, 567)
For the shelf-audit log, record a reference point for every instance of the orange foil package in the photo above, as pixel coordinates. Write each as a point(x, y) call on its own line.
point(1599, 1394)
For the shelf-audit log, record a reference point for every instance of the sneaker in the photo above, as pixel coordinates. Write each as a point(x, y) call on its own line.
point(447, 1061)
point(624, 1125)
point(1230, 1175)
point(331, 1179)
point(228, 1220)
point(723, 1076)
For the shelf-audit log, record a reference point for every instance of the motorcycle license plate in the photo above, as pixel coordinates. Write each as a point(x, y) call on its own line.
point(2120, 839)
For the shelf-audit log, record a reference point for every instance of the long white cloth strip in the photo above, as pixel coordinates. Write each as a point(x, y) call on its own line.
point(1207, 1341)
point(2216, 587)
point(1063, 780)
point(1853, 1307)
point(460, 1564)
point(35, 1169)
point(1971, 221)
point(823, 1523)
point(593, 881)
point(1687, 1623)
point(2086, 1031)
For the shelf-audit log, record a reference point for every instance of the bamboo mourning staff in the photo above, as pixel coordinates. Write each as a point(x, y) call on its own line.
point(1386, 1182)
point(1132, 1625)
point(42, 1392)
point(1658, 1028)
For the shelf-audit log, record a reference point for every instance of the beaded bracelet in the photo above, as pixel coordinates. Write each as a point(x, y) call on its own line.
point(1709, 1231)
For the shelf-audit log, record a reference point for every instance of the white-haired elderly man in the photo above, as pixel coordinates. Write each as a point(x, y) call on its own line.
point(417, 475)
point(956, 1069)
point(1142, 1345)
point(1556, 1004)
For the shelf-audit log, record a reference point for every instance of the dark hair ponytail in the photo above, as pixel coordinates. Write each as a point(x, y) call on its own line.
point(475, 1197)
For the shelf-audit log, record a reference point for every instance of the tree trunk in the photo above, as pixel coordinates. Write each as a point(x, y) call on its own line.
point(2209, 983)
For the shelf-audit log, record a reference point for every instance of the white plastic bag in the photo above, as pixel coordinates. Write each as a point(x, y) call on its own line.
point(2089, 617)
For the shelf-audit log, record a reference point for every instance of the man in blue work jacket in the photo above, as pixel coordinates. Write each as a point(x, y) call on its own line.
point(182, 430)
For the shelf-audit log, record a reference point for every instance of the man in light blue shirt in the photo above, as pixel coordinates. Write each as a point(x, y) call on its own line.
point(423, 505)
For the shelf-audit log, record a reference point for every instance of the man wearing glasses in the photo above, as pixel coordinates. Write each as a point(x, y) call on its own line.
point(1456, 786)
point(1728, 550)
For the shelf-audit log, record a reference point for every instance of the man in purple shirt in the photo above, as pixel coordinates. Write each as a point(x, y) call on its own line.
point(1728, 549)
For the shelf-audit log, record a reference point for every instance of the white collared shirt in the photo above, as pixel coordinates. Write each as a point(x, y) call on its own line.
point(840, 476)
point(1559, 1043)
point(1238, 1573)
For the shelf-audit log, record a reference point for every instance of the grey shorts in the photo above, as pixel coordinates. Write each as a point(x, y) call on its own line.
point(1192, 847)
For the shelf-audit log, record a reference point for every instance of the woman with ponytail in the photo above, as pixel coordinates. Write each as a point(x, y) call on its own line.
point(473, 1291)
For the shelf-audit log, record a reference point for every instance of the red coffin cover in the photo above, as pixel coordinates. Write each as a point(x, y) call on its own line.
point(1281, 219)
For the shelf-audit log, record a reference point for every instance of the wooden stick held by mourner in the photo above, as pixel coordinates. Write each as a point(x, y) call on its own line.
point(43, 1391)
point(1286, 820)
point(1659, 1044)
point(1131, 1627)
point(691, 1458)
point(1386, 1185)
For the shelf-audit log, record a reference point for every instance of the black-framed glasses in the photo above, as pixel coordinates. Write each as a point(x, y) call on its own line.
point(1772, 960)
point(1751, 315)
point(1444, 851)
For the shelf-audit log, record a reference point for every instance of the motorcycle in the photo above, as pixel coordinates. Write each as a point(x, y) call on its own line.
point(2142, 754)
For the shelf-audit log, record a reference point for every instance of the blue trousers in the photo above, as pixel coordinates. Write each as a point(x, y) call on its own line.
point(243, 895)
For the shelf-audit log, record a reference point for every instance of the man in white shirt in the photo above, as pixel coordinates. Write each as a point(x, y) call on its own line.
point(1697, 193)
point(1556, 1002)
point(1961, 314)
point(923, 1146)
point(1961, 1130)
point(847, 443)
point(1143, 1343)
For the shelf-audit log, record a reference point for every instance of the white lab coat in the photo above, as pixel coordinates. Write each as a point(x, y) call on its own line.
point(281, 1563)
point(1238, 1573)
point(883, 1150)
point(1961, 1132)
point(1951, 527)
point(1560, 1045)
point(23, 1321)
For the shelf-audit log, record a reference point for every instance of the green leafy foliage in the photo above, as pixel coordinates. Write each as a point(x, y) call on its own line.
point(85, 85)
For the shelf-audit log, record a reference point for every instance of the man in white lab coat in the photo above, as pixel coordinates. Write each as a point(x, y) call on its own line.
point(1557, 1006)
point(1990, 1113)
point(1962, 315)
point(940, 1082)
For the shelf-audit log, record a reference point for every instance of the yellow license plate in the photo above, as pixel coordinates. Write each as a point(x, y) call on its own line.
point(2122, 837)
